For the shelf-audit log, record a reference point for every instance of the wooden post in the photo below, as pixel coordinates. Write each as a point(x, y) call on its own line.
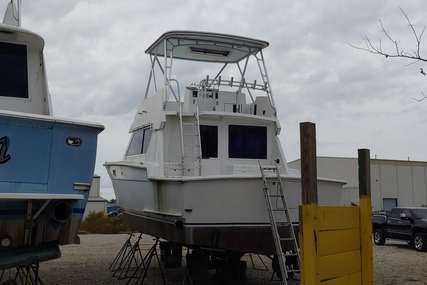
point(308, 163)
point(308, 211)
point(366, 257)
point(364, 173)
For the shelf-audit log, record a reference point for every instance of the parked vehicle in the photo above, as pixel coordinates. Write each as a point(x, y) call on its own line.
point(403, 223)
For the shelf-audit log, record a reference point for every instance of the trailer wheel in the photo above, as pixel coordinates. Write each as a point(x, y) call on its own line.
point(379, 237)
point(420, 242)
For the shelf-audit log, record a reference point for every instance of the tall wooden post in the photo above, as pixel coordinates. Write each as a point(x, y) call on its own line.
point(308, 163)
point(308, 211)
point(366, 257)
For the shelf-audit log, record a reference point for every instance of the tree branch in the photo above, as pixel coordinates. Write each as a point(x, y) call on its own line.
point(419, 100)
point(414, 54)
point(399, 52)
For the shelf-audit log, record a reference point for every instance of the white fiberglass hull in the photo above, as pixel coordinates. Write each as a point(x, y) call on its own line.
point(225, 212)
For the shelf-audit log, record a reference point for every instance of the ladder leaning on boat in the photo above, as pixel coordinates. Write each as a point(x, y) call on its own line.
point(280, 206)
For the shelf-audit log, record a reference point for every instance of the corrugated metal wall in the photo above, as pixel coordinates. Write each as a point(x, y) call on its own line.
point(405, 181)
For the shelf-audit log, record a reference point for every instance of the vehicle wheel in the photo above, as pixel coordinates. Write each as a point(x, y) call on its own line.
point(379, 237)
point(420, 242)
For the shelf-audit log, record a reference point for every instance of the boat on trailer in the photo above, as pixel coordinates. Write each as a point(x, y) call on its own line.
point(207, 122)
point(46, 163)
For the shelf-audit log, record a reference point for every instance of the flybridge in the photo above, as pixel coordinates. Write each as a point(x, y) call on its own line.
point(23, 84)
point(232, 83)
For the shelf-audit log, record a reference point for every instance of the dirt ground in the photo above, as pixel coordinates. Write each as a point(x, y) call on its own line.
point(398, 263)
point(90, 262)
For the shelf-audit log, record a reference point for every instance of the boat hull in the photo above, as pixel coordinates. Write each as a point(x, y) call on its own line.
point(250, 238)
point(224, 212)
point(46, 169)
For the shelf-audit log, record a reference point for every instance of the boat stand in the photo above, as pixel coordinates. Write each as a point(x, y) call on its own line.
point(185, 278)
point(129, 257)
point(142, 270)
point(25, 275)
point(260, 259)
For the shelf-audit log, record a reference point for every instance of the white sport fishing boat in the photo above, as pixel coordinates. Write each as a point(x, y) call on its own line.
point(46, 163)
point(191, 171)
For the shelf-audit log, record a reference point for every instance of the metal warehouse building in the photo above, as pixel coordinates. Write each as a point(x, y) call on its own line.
point(95, 202)
point(393, 182)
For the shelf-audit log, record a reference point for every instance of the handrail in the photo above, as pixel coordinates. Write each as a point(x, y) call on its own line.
point(199, 137)
point(181, 128)
point(233, 83)
point(178, 99)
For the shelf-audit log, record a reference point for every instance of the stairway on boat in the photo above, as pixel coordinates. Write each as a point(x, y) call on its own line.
point(190, 145)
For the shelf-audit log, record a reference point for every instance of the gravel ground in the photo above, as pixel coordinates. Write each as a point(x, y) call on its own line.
point(89, 262)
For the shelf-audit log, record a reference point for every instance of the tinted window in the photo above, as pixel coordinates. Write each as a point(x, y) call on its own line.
point(139, 142)
point(247, 142)
point(13, 70)
point(420, 213)
point(407, 213)
point(146, 140)
point(395, 213)
point(209, 139)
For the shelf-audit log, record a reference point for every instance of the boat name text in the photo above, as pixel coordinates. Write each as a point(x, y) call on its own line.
point(4, 143)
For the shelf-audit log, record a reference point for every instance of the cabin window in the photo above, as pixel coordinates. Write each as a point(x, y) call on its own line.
point(247, 142)
point(139, 142)
point(209, 140)
point(13, 70)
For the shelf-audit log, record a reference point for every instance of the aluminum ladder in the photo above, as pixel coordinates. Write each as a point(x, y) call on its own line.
point(191, 151)
point(276, 203)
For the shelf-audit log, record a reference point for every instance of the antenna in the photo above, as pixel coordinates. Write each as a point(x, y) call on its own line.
point(12, 16)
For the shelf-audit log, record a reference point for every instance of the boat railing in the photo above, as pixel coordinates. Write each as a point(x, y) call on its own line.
point(171, 90)
point(216, 83)
point(242, 89)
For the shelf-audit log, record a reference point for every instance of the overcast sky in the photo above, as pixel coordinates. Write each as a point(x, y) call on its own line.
point(97, 68)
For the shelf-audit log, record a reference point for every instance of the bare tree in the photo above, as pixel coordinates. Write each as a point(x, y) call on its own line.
point(413, 54)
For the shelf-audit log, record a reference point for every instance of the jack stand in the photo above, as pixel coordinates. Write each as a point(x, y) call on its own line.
point(142, 270)
point(128, 255)
point(260, 259)
point(26, 275)
point(118, 260)
point(185, 278)
point(8, 277)
point(2, 270)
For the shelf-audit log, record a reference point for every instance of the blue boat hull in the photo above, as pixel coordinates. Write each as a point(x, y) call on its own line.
point(46, 169)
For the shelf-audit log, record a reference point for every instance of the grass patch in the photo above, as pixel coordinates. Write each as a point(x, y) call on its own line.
point(99, 223)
